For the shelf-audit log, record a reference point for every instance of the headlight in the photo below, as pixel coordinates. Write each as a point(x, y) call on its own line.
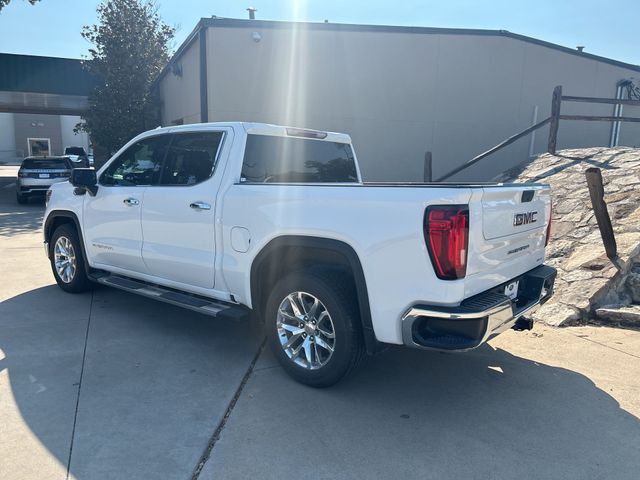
point(48, 197)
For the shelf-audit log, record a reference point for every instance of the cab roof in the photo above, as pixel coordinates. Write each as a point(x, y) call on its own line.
point(256, 128)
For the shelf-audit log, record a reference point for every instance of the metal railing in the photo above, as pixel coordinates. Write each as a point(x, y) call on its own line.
point(554, 123)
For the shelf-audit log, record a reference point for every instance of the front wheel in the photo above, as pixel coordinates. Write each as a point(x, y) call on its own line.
point(21, 199)
point(313, 328)
point(67, 261)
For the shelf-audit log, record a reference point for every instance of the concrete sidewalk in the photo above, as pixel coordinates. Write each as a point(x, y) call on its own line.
point(108, 385)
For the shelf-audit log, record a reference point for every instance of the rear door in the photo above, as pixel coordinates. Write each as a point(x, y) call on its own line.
point(112, 228)
point(178, 215)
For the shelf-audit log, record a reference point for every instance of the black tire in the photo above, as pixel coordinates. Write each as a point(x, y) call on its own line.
point(79, 282)
point(339, 299)
point(21, 199)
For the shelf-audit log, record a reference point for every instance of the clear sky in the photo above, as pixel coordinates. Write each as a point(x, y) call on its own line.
point(610, 29)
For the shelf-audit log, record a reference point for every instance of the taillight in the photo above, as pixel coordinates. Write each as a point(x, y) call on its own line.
point(21, 174)
point(446, 232)
point(546, 242)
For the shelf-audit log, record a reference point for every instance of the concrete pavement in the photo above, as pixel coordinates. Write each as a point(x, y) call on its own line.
point(108, 385)
point(104, 384)
point(546, 404)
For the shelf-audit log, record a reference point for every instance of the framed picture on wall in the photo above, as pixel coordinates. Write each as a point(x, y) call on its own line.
point(39, 147)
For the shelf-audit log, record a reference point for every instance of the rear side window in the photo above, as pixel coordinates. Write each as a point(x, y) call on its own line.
point(191, 158)
point(140, 164)
point(45, 163)
point(270, 159)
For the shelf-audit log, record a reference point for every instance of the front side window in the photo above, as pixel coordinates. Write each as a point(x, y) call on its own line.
point(140, 164)
point(191, 158)
point(271, 159)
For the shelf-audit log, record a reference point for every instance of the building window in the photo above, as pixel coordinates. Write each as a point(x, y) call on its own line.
point(39, 147)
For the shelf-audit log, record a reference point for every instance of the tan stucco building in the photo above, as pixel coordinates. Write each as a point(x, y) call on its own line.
point(398, 91)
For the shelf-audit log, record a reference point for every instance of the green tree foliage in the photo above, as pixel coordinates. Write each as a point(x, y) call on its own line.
point(130, 48)
point(4, 3)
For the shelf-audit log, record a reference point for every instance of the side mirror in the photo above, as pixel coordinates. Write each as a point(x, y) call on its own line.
point(85, 180)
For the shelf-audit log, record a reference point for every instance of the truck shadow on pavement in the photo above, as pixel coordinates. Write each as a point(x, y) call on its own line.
point(412, 414)
point(157, 381)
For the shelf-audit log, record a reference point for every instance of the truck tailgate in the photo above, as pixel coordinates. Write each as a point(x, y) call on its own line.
point(508, 227)
point(510, 212)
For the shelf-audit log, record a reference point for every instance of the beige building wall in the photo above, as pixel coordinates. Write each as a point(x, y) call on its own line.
point(181, 94)
point(400, 94)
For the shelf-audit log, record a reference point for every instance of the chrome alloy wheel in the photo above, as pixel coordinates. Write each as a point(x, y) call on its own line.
point(306, 330)
point(64, 258)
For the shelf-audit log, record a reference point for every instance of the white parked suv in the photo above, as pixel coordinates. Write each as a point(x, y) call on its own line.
point(228, 218)
point(37, 174)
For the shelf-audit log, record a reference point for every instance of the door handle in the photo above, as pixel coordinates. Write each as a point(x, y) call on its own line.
point(200, 206)
point(131, 201)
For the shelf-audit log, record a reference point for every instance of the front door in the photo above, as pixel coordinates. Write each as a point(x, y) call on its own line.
point(112, 219)
point(178, 215)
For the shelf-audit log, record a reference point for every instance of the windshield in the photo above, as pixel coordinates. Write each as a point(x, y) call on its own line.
point(40, 163)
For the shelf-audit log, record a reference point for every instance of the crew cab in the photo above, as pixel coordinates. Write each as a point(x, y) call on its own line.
point(276, 223)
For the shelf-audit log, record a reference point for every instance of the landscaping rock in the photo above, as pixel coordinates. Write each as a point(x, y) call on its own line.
point(633, 284)
point(622, 314)
point(587, 279)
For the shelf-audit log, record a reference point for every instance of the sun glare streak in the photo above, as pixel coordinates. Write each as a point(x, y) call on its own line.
point(295, 96)
point(296, 82)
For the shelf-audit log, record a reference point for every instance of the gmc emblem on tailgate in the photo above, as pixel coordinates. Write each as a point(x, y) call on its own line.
point(524, 218)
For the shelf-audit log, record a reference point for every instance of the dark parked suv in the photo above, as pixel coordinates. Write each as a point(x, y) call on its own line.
point(37, 174)
point(78, 156)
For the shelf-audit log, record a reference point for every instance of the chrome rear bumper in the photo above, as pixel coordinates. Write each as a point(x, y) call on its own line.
point(478, 318)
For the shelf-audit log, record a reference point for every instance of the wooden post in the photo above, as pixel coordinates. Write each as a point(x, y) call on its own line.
point(596, 192)
point(428, 167)
point(556, 102)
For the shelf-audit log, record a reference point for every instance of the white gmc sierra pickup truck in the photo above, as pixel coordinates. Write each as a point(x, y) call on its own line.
point(232, 218)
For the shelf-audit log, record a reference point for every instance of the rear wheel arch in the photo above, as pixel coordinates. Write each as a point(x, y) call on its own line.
point(291, 253)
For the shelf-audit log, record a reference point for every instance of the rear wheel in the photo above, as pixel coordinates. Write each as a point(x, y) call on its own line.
point(313, 328)
point(21, 199)
point(67, 261)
